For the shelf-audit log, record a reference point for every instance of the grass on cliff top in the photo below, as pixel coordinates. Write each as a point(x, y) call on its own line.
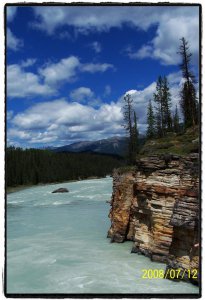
point(178, 144)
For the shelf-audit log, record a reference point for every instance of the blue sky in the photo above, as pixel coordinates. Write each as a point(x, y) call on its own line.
point(68, 68)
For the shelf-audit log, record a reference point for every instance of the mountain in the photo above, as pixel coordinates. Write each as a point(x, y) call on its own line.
point(115, 145)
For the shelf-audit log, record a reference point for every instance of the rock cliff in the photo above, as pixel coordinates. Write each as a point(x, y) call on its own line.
point(156, 205)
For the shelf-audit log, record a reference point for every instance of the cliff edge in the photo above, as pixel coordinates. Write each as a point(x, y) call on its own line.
point(156, 205)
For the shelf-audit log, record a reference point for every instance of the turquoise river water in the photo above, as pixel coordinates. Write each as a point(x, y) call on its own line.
point(56, 243)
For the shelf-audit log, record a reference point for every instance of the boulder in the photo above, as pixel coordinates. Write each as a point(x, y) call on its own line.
point(61, 190)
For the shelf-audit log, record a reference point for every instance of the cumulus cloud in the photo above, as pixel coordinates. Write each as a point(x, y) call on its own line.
point(48, 78)
point(13, 42)
point(60, 121)
point(81, 94)
point(165, 44)
point(68, 68)
point(64, 70)
point(167, 19)
point(98, 18)
point(22, 84)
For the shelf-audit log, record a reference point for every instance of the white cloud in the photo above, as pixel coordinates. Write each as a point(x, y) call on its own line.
point(13, 42)
point(165, 44)
point(81, 94)
point(64, 70)
point(47, 81)
point(173, 22)
point(61, 121)
point(93, 68)
point(96, 18)
point(64, 122)
point(11, 12)
point(96, 46)
point(68, 68)
point(144, 51)
point(22, 84)
point(28, 62)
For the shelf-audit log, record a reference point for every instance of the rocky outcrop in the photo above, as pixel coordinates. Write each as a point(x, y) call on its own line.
point(61, 190)
point(157, 207)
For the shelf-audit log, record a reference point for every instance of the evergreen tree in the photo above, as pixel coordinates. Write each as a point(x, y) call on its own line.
point(130, 125)
point(167, 118)
point(189, 104)
point(162, 99)
point(158, 107)
point(128, 112)
point(150, 121)
point(176, 125)
point(135, 136)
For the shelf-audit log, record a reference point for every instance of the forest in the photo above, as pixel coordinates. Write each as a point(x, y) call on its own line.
point(33, 166)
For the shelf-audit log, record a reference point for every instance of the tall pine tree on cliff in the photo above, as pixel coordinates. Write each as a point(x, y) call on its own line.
point(158, 98)
point(135, 134)
point(166, 106)
point(189, 104)
point(176, 125)
point(150, 121)
point(130, 125)
point(162, 98)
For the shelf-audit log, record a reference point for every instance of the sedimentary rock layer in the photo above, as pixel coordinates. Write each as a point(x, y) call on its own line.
point(157, 207)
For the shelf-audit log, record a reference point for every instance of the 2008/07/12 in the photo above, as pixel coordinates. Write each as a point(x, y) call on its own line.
point(170, 273)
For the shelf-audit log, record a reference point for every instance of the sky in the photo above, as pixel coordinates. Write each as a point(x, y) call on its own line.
point(69, 67)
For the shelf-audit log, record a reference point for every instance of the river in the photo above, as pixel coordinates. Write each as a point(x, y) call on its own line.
point(56, 243)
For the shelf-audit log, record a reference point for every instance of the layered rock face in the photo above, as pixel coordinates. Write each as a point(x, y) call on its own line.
point(157, 207)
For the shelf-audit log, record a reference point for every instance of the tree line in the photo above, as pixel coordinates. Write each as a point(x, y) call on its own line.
point(160, 119)
point(33, 166)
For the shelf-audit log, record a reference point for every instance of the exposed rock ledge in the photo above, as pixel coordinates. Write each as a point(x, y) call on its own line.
point(157, 207)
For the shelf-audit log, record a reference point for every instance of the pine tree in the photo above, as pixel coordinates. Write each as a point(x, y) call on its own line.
point(162, 98)
point(176, 125)
point(158, 98)
point(189, 104)
point(128, 113)
point(135, 136)
point(150, 121)
point(167, 118)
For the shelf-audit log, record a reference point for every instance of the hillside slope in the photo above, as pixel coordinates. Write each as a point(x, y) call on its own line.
point(179, 144)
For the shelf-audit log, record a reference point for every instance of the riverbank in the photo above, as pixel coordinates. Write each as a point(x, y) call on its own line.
point(14, 189)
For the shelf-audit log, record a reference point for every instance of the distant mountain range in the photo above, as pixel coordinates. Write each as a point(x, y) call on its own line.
point(115, 145)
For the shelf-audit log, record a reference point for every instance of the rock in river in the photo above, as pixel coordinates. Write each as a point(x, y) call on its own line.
point(61, 190)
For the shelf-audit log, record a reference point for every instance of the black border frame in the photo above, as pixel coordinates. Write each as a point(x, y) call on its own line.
point(106, 295)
